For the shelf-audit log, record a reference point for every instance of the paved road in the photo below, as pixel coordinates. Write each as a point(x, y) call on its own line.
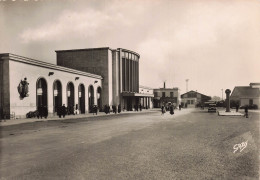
point(188, 145)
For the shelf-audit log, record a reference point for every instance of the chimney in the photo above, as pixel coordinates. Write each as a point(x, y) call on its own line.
point(164, 86)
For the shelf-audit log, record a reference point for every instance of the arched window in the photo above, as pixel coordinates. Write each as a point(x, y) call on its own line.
point(81, 99)
point(70, 98)
point(42, 93)
point(57, 95)
point(99, 98)
point(90, 97)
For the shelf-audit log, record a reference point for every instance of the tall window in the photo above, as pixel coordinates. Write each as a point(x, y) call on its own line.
point(171, 94)
point(163, 94)
point(155, 94)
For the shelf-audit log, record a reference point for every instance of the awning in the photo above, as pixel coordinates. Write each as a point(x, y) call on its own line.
point(134, 94)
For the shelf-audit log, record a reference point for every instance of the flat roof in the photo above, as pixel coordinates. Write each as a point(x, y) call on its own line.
point(84, 49)
point(100, 48)
point(134, 94)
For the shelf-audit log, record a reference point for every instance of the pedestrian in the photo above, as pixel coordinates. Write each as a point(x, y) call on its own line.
point(171, 110)
point(246, 111)
point(59, 111)
point(114, 109)
point(63, 110)
point(45, 112)
point(237, 108)
point(106, 109)
point(180, 107)
point(163, 109)
point(40, 112)
point(140, 107)
point(119, 108)
point(96, 109)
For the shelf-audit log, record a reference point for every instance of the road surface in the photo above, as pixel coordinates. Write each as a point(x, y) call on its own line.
point(188, 145)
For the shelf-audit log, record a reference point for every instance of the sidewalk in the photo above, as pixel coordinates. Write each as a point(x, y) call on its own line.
point(9, 122)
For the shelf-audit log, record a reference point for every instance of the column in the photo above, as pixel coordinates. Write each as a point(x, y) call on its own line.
point(228, 100)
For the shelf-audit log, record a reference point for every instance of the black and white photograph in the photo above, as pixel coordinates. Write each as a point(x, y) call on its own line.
point(129, 89)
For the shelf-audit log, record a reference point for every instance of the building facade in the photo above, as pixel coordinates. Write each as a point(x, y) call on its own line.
point(193, 99)
point(246, 95)
point(146, 97)
point(119, 69)
point(164, 96)
point(26, 84)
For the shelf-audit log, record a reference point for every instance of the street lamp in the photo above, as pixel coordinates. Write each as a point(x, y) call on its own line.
point(187, 85)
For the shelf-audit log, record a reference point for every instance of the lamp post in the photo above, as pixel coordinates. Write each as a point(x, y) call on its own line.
point(187, 85)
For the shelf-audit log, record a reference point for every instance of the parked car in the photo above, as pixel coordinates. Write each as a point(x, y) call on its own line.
point(32, 114)
point(212, 108)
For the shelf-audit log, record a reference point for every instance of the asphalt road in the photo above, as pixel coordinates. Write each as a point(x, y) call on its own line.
point(187, 145)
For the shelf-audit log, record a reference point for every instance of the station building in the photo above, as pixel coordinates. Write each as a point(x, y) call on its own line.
point(80, 79)
point(119, 69)
point(26, 84)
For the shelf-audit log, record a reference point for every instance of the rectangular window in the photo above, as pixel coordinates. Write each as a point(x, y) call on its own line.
point(188, 101)
point(123, 74)
point(191, 101)
point(250, 101)
point(155, 94)
point(171, 94)
point(163, 94)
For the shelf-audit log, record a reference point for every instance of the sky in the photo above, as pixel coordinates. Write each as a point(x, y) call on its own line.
point(215, 44)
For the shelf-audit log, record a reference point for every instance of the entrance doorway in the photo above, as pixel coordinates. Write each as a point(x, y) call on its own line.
point(57, 95)
point(41, 90)
point(99, 98)
point(70, 98)
point(90, 98)
point(81, 99)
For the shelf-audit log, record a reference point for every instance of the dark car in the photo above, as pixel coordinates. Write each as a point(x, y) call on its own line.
point(212, 108)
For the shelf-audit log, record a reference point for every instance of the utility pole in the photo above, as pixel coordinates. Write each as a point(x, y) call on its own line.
point(187, 85)
point(222, 94)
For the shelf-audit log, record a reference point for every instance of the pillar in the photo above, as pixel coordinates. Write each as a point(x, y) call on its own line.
point(227, 100)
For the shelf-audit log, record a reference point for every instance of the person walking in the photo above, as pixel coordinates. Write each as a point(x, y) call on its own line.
point(171, 110)
point(237, 107)
point(140, 106)
point(163, 109)
point(119, 108)
point(180, 107)
point(63, 110)
point(45, 112)
point(59, 111)
point(246, 111)
point(40, 112)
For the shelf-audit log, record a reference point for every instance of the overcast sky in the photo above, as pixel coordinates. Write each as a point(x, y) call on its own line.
point(213, 43)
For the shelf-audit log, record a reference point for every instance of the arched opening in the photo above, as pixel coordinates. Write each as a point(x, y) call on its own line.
point(70, 96)
point(99, 101)
point(81, 99)
point(57, 95)
point(90, 98)
point(42, 94)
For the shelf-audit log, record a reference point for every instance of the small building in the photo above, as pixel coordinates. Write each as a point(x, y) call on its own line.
point(246, 95)
point(146, 98)
point(26, 84)
point(193, 99)
point(165, 96)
